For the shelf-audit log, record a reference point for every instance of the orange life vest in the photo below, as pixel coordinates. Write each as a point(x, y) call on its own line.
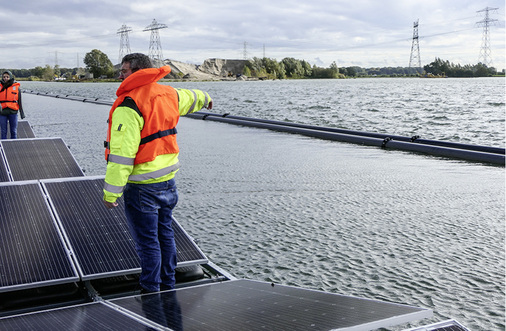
point(9, 97)
point(159, 107)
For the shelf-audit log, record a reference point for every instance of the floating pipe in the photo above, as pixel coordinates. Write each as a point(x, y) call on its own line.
point(383, 141)
point(73, 98)
point(415, 139)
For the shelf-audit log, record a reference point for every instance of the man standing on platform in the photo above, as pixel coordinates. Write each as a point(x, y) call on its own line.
point(142, 160)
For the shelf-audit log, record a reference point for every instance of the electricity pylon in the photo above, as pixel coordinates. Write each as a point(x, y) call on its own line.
point(245, 51)
point(485, 42)
point(155, 47)
point(414, 59)
point(124, 43)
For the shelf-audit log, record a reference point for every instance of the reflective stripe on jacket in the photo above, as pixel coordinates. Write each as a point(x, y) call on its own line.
point(9, 97)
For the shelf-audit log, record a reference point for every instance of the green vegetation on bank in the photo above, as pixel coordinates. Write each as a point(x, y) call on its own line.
point(445, 68)
point(297, 69)
point(97, 64)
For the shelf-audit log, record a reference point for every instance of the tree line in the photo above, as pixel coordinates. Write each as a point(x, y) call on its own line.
point(100, 66)
point(446, 69)
point(97, 63)
point(297, 69)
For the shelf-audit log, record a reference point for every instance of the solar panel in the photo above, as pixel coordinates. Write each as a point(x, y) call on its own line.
point(251, 305)
point(24, 130)
point(32, 252)
point(92, 316)
point(99, 237)
point(39, 158)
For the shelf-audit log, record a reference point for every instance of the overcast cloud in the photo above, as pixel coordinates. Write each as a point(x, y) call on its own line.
point(366, 33)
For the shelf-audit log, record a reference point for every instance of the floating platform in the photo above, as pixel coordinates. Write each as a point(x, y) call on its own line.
point(69, 263)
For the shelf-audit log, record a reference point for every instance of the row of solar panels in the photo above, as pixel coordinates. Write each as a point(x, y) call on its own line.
point(53, 226)
point(56, 230)
point(231, 305)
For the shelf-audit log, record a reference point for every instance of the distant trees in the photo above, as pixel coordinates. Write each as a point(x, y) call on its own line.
point(46, 73)
point(293, 68)
point(330, 72)
point(98, 64)
point(288, 68)
point(296, 69)
point(445, 68)
point(265, 68)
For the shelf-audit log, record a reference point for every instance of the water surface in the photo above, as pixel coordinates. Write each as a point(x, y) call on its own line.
point(326, 215)
point(453, 109)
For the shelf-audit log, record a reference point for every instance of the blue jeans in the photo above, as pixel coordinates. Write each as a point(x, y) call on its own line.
point(148, 208)
point(13, 123)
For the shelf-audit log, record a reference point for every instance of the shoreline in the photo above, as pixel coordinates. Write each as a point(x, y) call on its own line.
point(246, 79)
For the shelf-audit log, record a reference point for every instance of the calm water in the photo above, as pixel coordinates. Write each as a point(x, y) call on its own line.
point(342, 218)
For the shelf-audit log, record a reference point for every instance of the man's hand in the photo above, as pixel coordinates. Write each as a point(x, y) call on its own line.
point(210, 105)
point(110, 205)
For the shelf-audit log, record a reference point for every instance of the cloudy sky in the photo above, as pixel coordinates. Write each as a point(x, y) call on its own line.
point(365, 33)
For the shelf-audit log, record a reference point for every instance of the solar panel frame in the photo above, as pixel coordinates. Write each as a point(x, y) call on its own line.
point(254, 305)
point(89, 316)
point(4, 174)
point(188, 252)
point(39, 158)
point(32, 250)
point(110, 251)
point(448, 325)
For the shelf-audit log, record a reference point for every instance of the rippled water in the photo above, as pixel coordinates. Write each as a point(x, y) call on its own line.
point(460, 110)
point(342, 218)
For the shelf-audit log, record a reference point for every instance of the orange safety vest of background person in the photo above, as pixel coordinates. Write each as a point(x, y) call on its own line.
point(9, 97)
point(158, 105)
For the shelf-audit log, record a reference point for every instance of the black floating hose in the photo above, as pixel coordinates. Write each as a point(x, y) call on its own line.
point(477, 153)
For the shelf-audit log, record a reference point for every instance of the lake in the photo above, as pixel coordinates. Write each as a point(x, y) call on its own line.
point(343, 218)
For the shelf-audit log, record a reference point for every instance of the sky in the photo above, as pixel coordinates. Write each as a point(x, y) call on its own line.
point(364, 33)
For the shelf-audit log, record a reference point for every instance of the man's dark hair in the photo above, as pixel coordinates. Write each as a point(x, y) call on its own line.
point(137, 61)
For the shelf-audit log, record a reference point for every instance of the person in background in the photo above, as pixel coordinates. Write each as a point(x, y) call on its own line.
point(10, 100)
point(142, 160)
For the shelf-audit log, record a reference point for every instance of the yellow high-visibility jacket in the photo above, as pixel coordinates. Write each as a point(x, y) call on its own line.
point(126, 124)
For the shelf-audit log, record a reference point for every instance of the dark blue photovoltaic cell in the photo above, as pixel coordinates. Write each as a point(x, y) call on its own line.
point(250, 305)
point(30, 159)
point(31, 250)
point(93, 316)
point(99, 236)
point(24, 130)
